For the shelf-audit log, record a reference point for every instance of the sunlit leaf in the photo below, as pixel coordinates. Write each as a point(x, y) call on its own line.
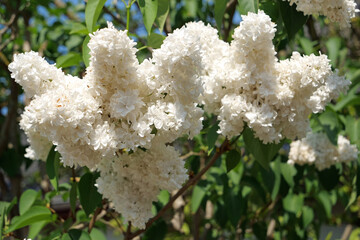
point(26, 200)
point(246, 6)
point(149, 10)
point(68, 60)
point(155, 40)
point(162, 13)
point(219, 10)
point(92, 12)
point(34, 214)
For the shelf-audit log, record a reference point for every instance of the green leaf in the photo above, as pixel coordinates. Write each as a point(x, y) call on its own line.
point(157, 231)
point(86, 51)
point(355, 234)
point(288, 171)
point(324, 199)
point(33, 215)
point(74, 42)
point(220, 7)
point(66, 236)
point(149, 11)
point(162, 13)
point(263, 153)
point(358, 180)
point(198, 195)
point(191, 7)
point(77, 234)
point(163, 197)
point(52, 167)
point(97, 234)
point(293, 20)
point(68, 60)
point(271, 8)
point(3, 208)
point(27, 199)
point(255, 185)
point(73, 196)
point(293, 203)
point(232, 201)
point(92, 12)
point(307, 45)
point(277, 173)
point(246, 6)
point(89, 196)
point(333, 46)
point(155, 40)
point(35, 228)
point(212, 136)
point(78, 28)
point(329, 236)
point(307, 216)
point(232, 159)
point(351, 98)
point(352, 128)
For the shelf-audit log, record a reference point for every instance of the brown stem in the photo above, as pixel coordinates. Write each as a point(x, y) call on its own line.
point(189, 154)
point(93, 219)
point(118, 223)
point(219, 151)
point(128, 232)
point(312, 31)
point(197, 221)
point(116, 18)
point(230, 7)
point(167, 27)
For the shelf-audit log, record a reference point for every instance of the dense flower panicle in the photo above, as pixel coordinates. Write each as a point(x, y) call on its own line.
point(177, 65)
point(273, 98)
point(316, 149)
point(133, 181)
point(39, 146)
point(172, 75)
point(214, 58)
point(308, 85)
point(34, 73)
point(341, 11)
point(119, 106)
point(64, 115)
point(113, 107)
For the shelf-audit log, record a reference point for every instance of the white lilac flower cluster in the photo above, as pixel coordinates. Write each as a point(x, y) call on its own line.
point(119, 118)
point(316, 149)
point(247, 84)
point(341, 11)
point(119, 106)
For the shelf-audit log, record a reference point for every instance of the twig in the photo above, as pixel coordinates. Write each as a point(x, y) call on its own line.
point(116, 18)
point(6, 42)
point(312, 31)
point(270, 229)
point(346, 232)
point(70, 14)
point(189, 154)
point(219, 151)
point(230, 7)
point(8, 24)
point(128, 231)
point(118, 223)
point(93, 219)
